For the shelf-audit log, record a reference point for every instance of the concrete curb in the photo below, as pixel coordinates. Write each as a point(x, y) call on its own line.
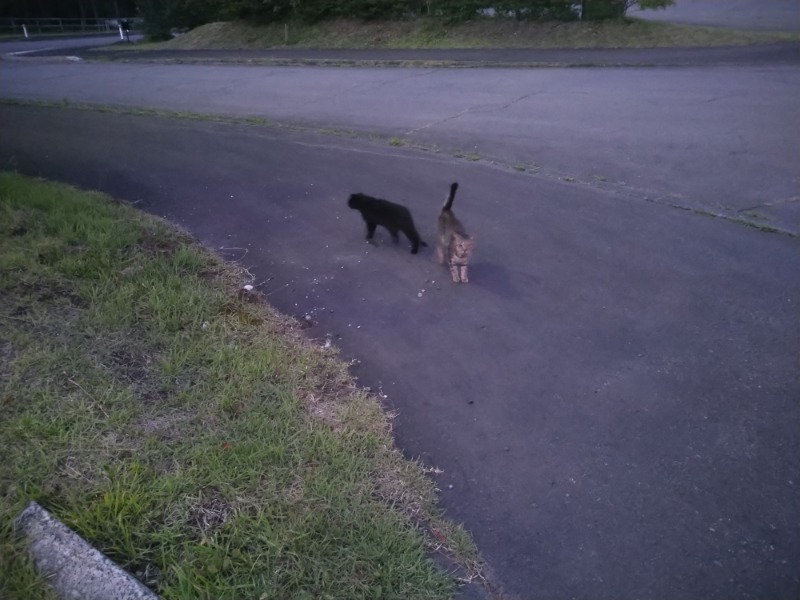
point(73, 568)
point(47, 58)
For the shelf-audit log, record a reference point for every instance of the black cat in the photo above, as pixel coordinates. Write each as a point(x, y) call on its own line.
point(394, 217)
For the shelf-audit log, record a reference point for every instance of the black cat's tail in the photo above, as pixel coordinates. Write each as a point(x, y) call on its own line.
point(448, 204)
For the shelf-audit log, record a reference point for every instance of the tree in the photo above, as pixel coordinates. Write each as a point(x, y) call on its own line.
point(537, 10)
point(162, 15)
point(616, 9)
point(67, 9)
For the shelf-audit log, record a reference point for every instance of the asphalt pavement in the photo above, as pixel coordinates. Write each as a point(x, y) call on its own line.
point(613, 399)
point(780, 53)
point(771, 15)
point(713, 139)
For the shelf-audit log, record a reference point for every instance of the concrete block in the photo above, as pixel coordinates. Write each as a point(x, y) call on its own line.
point(73, 568)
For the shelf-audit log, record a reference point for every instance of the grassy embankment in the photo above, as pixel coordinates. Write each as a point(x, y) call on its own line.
point(482, 33)
point(186, 429)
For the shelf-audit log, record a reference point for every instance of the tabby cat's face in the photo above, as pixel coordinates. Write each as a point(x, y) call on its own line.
point(462, 246)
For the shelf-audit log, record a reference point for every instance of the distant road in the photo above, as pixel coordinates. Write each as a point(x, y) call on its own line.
point(38, 44)
point(774, 15)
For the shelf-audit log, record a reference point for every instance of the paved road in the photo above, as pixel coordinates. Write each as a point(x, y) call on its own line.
point(774, 15)
point(614, 398)
point(778, 53)
point(59, 45)
point(719, 140)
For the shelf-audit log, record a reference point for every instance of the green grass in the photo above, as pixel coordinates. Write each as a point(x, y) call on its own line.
point(186, 429)
point(480, 33)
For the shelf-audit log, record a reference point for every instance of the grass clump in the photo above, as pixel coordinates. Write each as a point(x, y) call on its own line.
point(480, 33)
point(184, 428)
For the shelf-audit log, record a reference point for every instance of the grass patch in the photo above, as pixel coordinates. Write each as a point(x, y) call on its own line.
point(759, 226)
point(187, 430)
point(471, 156)
point(481, 33)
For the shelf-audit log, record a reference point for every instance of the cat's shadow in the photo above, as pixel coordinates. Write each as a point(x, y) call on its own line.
point(385, 241)
point(498, 279)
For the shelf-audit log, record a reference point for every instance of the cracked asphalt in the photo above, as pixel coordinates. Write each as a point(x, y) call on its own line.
point(613, 400)
point(708, 137)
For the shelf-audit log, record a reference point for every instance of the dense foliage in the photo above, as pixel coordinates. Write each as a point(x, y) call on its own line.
point(162, 15)
point(68, 9)
point(315, 10)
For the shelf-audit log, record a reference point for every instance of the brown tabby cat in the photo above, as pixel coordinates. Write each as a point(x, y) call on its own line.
point(453, 241)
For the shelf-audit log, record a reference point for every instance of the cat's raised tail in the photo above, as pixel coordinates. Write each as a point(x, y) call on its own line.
point(448, 204)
